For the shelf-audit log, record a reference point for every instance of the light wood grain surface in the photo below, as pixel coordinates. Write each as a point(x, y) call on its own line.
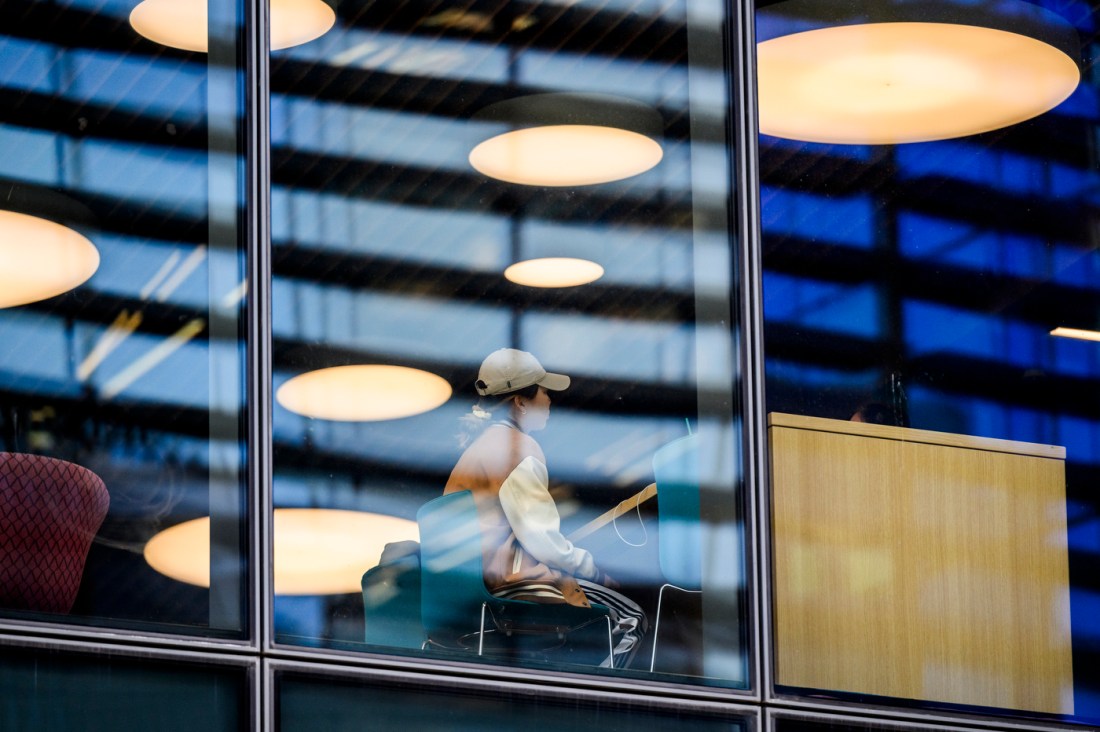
point(907, 434)
point(608, 516)
point(923, 568)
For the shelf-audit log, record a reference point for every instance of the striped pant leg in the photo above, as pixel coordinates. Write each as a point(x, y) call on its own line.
point(629, 621)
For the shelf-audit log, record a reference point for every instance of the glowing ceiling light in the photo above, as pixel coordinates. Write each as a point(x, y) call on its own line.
point(906, 72)
point(363, 393)
point(40, 259)
point(1078, 333)
point(554, 272)
point(183, 23)
point(317, 551)
point(568, 140)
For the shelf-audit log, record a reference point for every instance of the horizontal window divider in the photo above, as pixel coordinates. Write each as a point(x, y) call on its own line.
point(469, 676)
point(892, 718)
point(101, 639)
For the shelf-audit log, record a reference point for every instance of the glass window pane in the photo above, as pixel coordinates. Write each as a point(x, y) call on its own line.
point(121, 286)
point(934, 437)
point(305, 702)
point(548, 178)
point(54, 691)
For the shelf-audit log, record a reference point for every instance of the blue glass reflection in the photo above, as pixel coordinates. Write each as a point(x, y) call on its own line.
point(846, 221)
point(838, 308)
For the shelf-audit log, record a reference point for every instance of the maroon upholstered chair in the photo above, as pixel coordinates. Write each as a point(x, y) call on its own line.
point(49, 512)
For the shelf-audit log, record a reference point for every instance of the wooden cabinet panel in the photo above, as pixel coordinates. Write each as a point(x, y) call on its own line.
point(920, 565)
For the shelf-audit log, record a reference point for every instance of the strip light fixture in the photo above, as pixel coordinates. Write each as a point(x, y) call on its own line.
point(1078, 333)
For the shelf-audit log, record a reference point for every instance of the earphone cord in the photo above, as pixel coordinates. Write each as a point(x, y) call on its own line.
point(645, 532)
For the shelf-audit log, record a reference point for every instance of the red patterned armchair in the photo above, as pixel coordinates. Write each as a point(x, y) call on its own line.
point(49, 512)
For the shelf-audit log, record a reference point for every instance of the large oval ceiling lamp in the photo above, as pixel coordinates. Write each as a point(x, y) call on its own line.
point(554, 272)
point(363, 393)
point(318, 551)
point(568, 140)
point(183, 23)
point(896, 71)
point(41, 258)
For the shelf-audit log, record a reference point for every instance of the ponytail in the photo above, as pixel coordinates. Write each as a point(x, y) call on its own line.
point(481, 415)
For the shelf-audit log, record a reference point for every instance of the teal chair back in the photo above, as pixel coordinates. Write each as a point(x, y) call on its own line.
point(452, 585)
point(676, 472)
point(391, 598)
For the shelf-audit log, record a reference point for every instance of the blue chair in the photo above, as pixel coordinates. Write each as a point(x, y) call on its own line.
point(391, 598)
point(680, 545)
point(455, 604)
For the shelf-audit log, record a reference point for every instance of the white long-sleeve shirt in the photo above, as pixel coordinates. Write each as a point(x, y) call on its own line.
point(526, 500)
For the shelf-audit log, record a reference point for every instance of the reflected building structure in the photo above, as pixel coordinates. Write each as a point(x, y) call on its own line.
point(393, 230)
point(264, 221)
point(931, 278)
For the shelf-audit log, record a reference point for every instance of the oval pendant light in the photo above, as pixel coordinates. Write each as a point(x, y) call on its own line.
point(41, 257)
point(318, 551)
point(568, 140)
point(363, 393)
point(183, 23)
point(554, 272)
point(895, 71)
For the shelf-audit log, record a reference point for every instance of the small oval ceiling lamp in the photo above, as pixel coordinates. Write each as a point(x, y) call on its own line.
point(318, 551)
point(554, 272)
point(899, 71)
point(39, 257)
point(568, 140)
point(363, 393)
point(183, 23)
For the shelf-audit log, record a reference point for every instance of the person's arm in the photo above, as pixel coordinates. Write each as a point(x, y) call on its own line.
point(526, 500)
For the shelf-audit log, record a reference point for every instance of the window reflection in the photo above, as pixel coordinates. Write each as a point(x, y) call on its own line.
point(926, 278)
point(390, 249)
point(135, 373)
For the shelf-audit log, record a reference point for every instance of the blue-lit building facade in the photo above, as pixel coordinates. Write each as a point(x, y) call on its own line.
point(262, 214)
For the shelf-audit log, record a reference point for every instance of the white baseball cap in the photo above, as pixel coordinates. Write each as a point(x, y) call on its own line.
point(508, 370)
